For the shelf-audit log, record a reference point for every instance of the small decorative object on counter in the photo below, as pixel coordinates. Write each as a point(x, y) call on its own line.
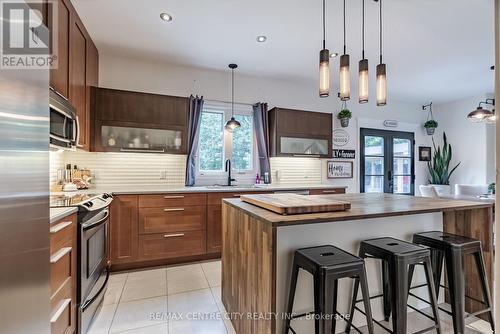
point(344, 115)
point(431, 124)
point(491, 188)
point(257, 179)
point(439, 167)
point(266, 178)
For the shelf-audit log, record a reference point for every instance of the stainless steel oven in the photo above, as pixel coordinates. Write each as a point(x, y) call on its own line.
point(64, 126)
point(93, 264)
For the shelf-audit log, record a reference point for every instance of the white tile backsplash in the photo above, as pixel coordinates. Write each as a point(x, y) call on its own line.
point(296, 170)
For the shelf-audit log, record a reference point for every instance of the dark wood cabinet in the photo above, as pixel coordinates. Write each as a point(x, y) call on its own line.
point(59, 76)
point(139, 122)
point(124, 229)
point(300, 133)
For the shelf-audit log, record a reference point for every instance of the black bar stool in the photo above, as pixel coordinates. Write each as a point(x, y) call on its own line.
point(453, 249)
point(327, 264)
point(398, 257)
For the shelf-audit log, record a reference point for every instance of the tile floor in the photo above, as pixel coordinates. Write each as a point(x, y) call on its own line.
point(137, 303)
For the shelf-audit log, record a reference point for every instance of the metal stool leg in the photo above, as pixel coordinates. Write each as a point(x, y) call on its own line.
point(437, 259)
point(478, 256)
point(353, 305)
point(366, 301)
point(432, 293)
point(317, 303)
point(399, 280)
point(386, 289)
point(456, 282)
point(334, 304)
point(411, 269)
point(291, 296)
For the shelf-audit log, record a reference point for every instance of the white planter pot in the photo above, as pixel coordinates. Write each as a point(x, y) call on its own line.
point(442, 189)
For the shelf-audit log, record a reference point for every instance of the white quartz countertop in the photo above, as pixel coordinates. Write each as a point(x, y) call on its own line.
point(133, 189)
point(59, 213)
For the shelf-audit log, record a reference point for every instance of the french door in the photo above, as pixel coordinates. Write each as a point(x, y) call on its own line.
point(387, 161)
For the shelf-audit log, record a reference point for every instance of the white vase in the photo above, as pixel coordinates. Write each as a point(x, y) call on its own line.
point(442, 189)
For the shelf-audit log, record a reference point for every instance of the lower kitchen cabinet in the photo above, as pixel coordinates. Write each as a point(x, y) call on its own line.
point(172, 245)
point(214, 228)
point(63, 275)
point(176, 219)
point(124, 229)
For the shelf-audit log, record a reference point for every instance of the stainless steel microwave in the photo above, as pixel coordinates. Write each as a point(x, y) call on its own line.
point(64, 126)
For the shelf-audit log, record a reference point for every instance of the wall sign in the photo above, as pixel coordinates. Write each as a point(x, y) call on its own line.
point(344, 154)
point(340, 137)
point(339, 169)
point(424, 153)
point(390, 123)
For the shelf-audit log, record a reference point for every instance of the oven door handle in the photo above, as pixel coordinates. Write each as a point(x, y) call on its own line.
point(91, 300)
point(96, 224)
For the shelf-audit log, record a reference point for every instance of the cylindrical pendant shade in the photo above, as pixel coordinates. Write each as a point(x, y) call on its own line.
point(324, 73)
point(363, 81)
point(381, 85)
point(345, 78)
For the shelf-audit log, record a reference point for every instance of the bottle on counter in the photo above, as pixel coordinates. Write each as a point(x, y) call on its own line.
point(266, 178)
point(257, 179)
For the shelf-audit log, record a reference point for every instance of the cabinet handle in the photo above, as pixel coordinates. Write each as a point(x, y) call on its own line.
point(59, 227)
point(60, 254)
point(173, 209)
point(329, 191)
point(173, 196)
point(173, 235)
point(60, 310)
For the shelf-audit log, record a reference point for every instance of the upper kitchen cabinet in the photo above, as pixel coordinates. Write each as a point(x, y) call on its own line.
point(300, 133)
point(77, 64)
point(127, 121)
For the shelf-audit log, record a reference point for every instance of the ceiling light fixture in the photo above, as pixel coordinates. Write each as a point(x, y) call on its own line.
point(232, 124)
point(324, 62)
point(345, 76)
point(363, 65)
point(261, 39)
point(483, 115)
point(166, 17)
point(381, 71)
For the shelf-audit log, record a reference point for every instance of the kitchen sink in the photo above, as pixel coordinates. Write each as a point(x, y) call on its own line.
point(234, 186)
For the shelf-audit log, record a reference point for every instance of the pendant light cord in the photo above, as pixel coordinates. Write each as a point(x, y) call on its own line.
point(232, 92)
point(363, 31)
point(381, 32)
point(345, 49)
point(324, 24)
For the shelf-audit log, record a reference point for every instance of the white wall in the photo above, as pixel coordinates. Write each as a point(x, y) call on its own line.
point(164, 78)
point(473, 144)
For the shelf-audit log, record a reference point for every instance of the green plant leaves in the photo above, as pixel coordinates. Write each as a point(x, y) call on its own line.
point(439, 166)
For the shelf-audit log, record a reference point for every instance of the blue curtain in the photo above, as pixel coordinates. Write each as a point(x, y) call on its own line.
point(195, 109)
point(261, 125)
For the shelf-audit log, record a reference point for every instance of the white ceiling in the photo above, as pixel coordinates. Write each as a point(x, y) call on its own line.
point(438, 50)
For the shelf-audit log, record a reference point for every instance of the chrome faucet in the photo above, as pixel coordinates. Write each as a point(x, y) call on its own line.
point(228, 170)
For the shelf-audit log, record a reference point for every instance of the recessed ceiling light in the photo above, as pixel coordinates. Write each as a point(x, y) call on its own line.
point(261, 39)
point(166, 17)
point(333, 54)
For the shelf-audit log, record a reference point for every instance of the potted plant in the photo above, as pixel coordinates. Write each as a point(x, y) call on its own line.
point(430, 126)
point(439, 167)
point(344, 116)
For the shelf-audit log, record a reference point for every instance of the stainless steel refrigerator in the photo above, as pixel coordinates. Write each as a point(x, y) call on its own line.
point(24, 201)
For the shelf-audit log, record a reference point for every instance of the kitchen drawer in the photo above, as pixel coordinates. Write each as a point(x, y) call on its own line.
point(216, 198)
point(169, 245)
point(172, 200)
point(327, 191)
point(62, 309)
point(61, 266)
point(61, 232)
point(171, 219)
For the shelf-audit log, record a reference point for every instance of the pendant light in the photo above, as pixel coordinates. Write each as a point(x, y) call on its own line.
point(363, 66)
point(232, 124)
point(345, 76)
point(324, 64)
point(381, 71)
point(483, 115)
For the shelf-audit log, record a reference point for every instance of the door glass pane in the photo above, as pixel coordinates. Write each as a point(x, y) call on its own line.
point(211, 141)
point(401, 166)
point(242, 158)
point(311, 146)
point(402, 184)
point(374, 145)
point(374, 166)
point(374, 184)
point(402, 147)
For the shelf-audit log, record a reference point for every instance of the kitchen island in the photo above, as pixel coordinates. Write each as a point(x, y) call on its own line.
point(258, 248)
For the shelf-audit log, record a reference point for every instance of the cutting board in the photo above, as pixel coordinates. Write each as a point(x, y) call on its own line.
point(292, 204)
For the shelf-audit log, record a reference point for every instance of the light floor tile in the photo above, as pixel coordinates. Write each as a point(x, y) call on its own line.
point(117, 278)
point(145, 287)
point(113, 293)
point(156, 329)
point(139, 313)
point(102, 322)
point(197, 327)
point(146, 274)
point(212, 272)
point(193, 303)
point(185, 278)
